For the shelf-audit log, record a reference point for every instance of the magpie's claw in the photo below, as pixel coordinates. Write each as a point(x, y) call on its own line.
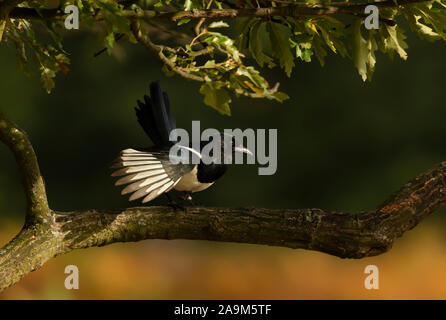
point(187, 197)
point(175, 206)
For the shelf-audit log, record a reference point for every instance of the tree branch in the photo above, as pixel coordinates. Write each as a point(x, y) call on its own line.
point(158, 51)
point(17, 141)
point(6, 6)
point(291, 9)
point(346, 235)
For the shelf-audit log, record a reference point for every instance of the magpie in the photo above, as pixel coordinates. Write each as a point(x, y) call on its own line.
point(149, 172)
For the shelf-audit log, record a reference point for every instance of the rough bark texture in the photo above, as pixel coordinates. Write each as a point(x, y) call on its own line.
point(297, 9)
point(17, 141)
point(47, 234)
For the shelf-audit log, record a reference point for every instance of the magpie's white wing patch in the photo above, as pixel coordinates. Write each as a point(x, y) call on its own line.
point(147, 173)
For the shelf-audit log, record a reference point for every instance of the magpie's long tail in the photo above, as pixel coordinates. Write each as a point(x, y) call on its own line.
point(154, 115)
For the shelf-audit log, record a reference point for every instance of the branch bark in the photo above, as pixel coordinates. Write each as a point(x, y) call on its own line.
point(343, 234)
point(17, 140)
point(291, 9)
point(158, 51)
point(6, 6)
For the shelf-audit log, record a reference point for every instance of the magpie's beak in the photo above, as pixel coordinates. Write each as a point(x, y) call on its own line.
point(243, 150)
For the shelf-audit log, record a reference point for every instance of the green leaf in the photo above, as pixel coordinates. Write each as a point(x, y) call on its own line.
point(256, 47)
point(371, 59)
point(395, 41)
point(22, 59)
point(183, 21)
point(80, 5)
point(216, 96)
point(423, 30)
point(359, 50)
point(223, 43)
point(305, 55)
point(437, 19)
point(210, 63)
point(280, 96)
point(326, 35)
point(413, 17)
point(110, 42)
point(47, 77)
point(2, 28)
point(319, 50)
point(243, 29)
point(363, 52)
point(218, 24)
point(281, 48)
point(113, 16)
point(188, 5)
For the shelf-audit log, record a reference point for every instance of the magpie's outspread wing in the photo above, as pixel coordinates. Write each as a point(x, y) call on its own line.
point(148, 173)
point(154, 116)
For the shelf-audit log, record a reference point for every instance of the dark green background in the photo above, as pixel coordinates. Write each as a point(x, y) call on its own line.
point(343, 144)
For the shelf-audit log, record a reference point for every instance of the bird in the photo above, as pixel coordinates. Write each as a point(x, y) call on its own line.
point(149, 172)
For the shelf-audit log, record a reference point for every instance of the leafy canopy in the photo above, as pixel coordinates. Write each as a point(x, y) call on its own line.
point(200, 45)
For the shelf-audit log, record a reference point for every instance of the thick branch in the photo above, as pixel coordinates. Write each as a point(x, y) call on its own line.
point(295, 10)
point(346, 235)
point(6, 6)
point(291, 9)
point(17, 141)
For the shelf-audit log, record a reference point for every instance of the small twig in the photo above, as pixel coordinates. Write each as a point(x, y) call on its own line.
point(29, 13)
point(158, 51)
point(204, 51)
point(172, 32)
point(118, 37)
point(198, 26)
point(229, 62)
point(197, 37)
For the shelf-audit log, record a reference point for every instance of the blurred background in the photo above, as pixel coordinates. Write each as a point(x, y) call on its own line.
point(342, 145)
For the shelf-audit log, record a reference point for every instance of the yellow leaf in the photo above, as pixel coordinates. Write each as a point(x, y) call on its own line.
point(311, 26)
point(2, 29)
point(256, 90)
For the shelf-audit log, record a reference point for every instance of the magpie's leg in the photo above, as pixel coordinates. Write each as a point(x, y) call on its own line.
point(175, 206)
point(187, 196)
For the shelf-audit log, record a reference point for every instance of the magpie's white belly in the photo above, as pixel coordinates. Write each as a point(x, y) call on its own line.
point(189, 182)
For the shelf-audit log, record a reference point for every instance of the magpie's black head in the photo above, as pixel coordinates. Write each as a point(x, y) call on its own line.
point(228, 147)
point(230, 144)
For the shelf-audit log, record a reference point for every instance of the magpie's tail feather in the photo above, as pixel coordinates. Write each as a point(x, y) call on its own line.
point(144, 174)
point(154, 115)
